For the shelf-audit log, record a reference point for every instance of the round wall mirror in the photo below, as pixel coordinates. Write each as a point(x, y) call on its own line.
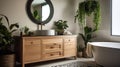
point(40, 11)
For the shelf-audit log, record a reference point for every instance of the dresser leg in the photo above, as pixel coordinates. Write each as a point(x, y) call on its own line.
point(23, 65)
point(75, 57)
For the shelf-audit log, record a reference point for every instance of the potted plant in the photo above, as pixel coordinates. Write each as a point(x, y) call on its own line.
point(6, 42)
point(25, 31)
point(61, 26)
point(88, 8)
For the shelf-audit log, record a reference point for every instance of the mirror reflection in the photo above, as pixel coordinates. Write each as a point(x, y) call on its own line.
point(40, 10)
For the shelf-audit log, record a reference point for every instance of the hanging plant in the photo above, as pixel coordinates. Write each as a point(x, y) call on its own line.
point(88, 8)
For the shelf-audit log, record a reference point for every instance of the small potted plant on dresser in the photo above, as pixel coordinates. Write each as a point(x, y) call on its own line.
point(7, 57)
point(25, 31)
point(61, 26)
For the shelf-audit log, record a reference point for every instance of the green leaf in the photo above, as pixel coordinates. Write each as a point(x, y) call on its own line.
point(6, 38)
point(14, 25)
point(13, 30)
point(5, 41)
point(60, 24)
point(82, 36)
point(35, 13)
point(1, 19)
point(3, 28)
point(26, 30)
point(87, 30)
point(5, 18)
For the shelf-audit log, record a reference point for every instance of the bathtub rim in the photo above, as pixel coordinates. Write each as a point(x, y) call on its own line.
point(100, 44)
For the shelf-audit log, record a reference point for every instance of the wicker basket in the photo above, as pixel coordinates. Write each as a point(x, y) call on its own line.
point(7, 60)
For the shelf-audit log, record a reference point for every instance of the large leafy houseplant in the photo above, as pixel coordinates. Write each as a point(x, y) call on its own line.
point(61, 26)
point(6, 37)
point(88, 8)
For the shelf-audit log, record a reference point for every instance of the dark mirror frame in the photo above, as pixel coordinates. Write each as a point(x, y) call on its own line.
point(28, 9)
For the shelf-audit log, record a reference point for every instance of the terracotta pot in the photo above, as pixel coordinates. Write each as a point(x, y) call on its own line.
point(7, 60)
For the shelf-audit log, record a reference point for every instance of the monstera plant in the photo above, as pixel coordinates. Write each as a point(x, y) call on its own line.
point(6, 42)
point(88, 8)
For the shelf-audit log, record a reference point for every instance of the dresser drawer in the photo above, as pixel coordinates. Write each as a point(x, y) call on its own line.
point(52, 44)
point(32, 42)
point(51, 41)
point(69, 40)
point(69, 45)
point(32, 50)
point(70, 52)
point(51, 55)
point(32, 53)
point(42, 48)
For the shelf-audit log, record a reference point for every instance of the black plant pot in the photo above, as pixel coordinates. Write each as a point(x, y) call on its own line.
point(60, 32)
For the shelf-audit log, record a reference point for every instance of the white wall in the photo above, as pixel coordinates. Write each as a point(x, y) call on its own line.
point(104, 34)
point(15, 11)
point(63, 9)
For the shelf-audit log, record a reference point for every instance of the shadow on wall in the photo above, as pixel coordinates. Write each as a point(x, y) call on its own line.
point(102, 36)
point(80, 41)
point(69, 13)
point(69, 9)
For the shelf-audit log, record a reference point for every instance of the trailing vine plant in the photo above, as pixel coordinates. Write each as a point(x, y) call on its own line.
point(88, 8)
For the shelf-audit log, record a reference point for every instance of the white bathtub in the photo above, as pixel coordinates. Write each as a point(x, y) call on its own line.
point(106, 54)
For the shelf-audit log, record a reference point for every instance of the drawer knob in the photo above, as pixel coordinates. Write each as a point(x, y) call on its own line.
point(59, 46)
point(51, 47)
point(59, 53)
point(55, 44)
point(31, 42)
point(51, 54)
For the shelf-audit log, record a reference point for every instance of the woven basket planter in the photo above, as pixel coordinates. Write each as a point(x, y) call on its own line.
point(7, 60)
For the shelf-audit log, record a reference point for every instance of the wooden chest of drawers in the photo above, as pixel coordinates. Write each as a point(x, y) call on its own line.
point(43, 48)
